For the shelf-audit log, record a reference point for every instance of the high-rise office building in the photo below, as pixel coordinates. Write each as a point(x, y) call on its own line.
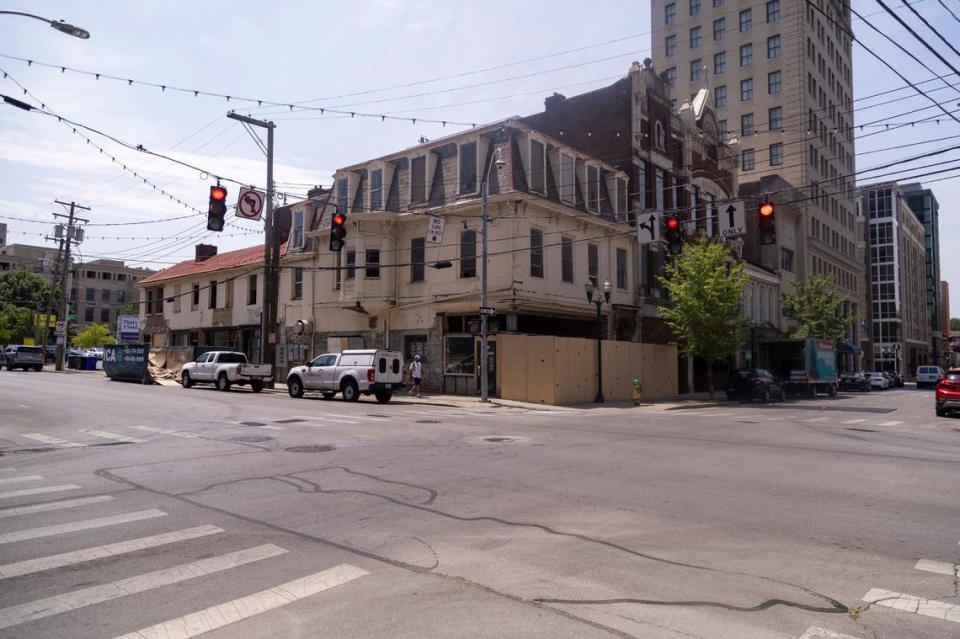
point(924, 205)
point(782, 86)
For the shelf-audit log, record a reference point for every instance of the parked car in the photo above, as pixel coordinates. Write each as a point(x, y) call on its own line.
point(855, 380)
point(879, 381)
point(351, 373)
point(890, 376)
point(95, 352)
point(749, 384)
point(225, 368)
point(948, 393)
point(928, 376)
point(25, 357)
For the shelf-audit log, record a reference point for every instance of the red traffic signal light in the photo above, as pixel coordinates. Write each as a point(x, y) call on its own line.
point(218, 193)
point(672, 224)
point(674, 236)
point(767, 223)
point(217, 209)
point(338, 231)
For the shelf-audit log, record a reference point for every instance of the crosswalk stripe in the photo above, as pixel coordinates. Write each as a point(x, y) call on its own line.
point(164, 431)
point(775, 419)
point(326, 417)
point(230, 612)
point(17, 480)
point(822, 633)
point(939, 567)
point(816, 419)
point(894, 423)
point(55, 441)
point(111, 436)
point(57, 604)
point(916, 605)
point(854, 421)
point(74, 526)
point(37, 491)
point(54, 505)
point(99, 552)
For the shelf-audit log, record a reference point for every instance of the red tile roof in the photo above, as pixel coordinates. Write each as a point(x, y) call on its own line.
point(222, 262)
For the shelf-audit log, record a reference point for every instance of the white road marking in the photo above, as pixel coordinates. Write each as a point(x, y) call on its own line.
point(54, 505)
point(893, 423)
point(816, 419)
point(8, 470)
point(916, 605)
point(345, 419)
point(854, 421)
point(86, 524)
point(939, 567)
point(692, 414)
point(55, 441)
point(164, 431)
point(37, 491)
point(822, 633)
point(17, 480)
point(68, 601)
point(224, 614)
point(112, 436)
point(99, 552)
point(775, 419)
point(23, 406)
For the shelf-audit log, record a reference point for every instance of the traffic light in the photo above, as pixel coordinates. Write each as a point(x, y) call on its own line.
point(673, 235)
point(338, 231)
point(218, 208)
point(768, 223)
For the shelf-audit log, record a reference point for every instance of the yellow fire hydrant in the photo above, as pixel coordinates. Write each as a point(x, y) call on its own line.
point(637, 390)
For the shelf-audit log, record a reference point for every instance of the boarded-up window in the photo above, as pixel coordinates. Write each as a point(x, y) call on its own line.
point(418, 180)
point(251, 290)
point(538, 178)
point(468, 167)
point(212, 291)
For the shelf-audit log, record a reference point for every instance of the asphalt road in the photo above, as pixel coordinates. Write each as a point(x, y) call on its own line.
point(173, 512)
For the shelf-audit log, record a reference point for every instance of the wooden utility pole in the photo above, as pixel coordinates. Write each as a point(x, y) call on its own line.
point(72, 234)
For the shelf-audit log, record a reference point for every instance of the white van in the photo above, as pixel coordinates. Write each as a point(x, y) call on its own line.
point(928, 376)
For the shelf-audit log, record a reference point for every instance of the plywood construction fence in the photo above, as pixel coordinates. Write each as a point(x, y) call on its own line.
point(562, 370)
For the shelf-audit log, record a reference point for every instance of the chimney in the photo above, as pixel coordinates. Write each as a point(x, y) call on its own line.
point(554, 101)
point(205, 252)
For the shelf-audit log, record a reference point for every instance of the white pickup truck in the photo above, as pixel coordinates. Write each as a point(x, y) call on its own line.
point(351, 373)
point(225, 368)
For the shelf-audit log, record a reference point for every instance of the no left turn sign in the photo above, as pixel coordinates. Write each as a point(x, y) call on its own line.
point(250, 204)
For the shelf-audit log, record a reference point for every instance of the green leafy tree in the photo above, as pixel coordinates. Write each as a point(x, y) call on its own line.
point(817, 308)
point(705, 290)
point(955, 323)
point(28, 290)
point(93, 336)
point(16, 323)
point(133, 308)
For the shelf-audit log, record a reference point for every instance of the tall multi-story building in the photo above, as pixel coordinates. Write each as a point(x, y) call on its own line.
point(944, 353)
point(900, 323)
point(924, 205)
point(100, 288)
point(780, 73)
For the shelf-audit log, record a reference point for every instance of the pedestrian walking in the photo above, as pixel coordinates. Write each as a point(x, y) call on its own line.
point(416, 372)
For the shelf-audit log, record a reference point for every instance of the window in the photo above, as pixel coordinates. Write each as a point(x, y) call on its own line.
point(538, 167)
point(670, 13)
point(418, 255)
point(342, 197)
point(566, 259)
point(251, 290)
point(88, 314)
point(671, 46)
point(695, 38)
point(593, 263)
point(746, 20)
point(91, 275)
point(104, 315)
point(660, 138)
point(722, 126)
point(351, 264)
point(536, 253)
point(719, 28)
point(746, 55)
point(720, 97)
point(468, 253)
point(670, 76)
point(121, 277)
point(121, 297)
point(774, 82)
point(776, 154)
point(376, 190)
point(567, 178)
point(177, 297)
point(719, 63)
point(418, 180)
point(212, 288)
point(660, 188)
point(468, 168)
point(746, 90)
point(593, 188)
point(773, 46)
point(458, 355)
point(746, 124)
point(621, 268)
point(106, 276)
point(694, 7)
point(296, 237)
point(747, 160)
point(372, 264)
point(622, 195)
point(717, 3)
point(297, 288)
point(773, 11)
point(696, 70)
point(195, 301)
point(105, 295)
point(775, 118)
point(91, 295)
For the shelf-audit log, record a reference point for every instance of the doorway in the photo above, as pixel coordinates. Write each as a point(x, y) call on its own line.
point(491, 364)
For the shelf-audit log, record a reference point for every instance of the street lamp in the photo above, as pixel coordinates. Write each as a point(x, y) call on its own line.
point(591, 288)
point(484, 365)
point(61, 26)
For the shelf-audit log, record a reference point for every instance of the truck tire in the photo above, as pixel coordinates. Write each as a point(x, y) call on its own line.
point(383, 396)
point(185, 380)
point(38, 367)
point(833, 390)
point(223, 382)
point(349, 390)
point(295, 387)
point(256, 386)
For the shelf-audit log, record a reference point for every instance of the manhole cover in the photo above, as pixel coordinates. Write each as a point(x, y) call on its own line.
point(252, 424)
point(428, 421)
point(251, 439)
point(862, 430)
point(309, 449)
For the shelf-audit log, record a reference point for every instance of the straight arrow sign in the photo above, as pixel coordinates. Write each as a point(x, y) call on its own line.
point(733, 220)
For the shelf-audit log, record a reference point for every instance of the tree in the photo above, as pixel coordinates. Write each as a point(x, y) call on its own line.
point(706, 290)
point(817, 308)
point(27, 290)
point(955, 323)
point(94, 335)
point(16, 323)
point(132, 308)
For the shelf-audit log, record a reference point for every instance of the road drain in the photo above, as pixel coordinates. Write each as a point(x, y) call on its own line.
point(252, 424)
point(863, 430)
point(251, 439)
point(428, 421)
point(315, 448)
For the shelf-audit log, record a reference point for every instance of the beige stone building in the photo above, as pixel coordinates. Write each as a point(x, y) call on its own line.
point(100, 288)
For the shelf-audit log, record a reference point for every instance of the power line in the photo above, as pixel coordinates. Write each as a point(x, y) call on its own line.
point(949, 10)
point(919, 39)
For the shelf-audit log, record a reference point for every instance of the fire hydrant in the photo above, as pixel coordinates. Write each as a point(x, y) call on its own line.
point(637, 390)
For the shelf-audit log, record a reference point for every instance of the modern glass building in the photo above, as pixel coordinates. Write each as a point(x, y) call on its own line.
point(924, 205)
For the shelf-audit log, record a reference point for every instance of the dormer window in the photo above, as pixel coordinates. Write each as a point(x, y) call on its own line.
point(622, 199)
point(568, 180)
point(593, 188)
point(376, 190)
point(296, 234)
point(659, 137)
point(342, 194)
point(468, 168)
point(418, 180)
point(538, 167)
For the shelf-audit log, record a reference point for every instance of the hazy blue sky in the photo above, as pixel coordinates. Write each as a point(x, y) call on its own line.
point(294, 51)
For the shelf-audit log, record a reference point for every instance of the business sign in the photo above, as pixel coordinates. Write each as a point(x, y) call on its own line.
point(45, 321)
point(250, 204)
point(128, 328)
point(61, 328)
point(126, 362)
point(733, 220)
point(435, 230)
point(648, 228)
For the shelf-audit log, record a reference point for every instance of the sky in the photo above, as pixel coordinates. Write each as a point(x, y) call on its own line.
point(460, 61)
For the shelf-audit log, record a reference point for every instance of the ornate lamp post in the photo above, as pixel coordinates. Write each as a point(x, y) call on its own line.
point(591, 289)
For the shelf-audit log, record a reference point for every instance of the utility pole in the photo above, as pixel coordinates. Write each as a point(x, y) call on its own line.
point(70, 236)
point(271, 255)
point(484, 346)
point(54, 283)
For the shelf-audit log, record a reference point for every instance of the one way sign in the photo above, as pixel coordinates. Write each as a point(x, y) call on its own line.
point(648, 228)
point(733, 221)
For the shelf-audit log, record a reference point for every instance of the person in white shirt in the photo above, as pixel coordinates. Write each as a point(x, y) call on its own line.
point(416, 372)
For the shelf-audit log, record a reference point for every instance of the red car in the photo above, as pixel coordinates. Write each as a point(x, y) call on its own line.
point(948, 392)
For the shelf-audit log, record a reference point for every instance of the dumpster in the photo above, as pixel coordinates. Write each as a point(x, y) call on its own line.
point(75, 362)
point(127, 362)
